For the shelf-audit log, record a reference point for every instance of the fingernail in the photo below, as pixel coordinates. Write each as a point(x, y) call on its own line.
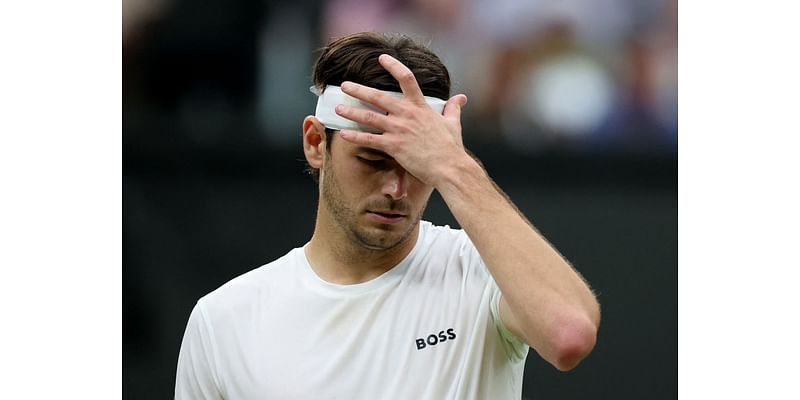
point(339, 108)
point(346, 85)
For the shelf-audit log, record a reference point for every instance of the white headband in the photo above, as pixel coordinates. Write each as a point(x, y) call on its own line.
point(333, 95)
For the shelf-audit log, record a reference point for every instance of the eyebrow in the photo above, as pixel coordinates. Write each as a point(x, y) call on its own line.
point(372, 151)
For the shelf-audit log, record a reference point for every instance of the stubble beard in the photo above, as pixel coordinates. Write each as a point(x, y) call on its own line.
point(347, 218)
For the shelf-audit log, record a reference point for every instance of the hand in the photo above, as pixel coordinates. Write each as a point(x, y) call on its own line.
point(422, 141)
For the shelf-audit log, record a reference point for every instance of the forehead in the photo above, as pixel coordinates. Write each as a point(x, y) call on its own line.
point(349, 147)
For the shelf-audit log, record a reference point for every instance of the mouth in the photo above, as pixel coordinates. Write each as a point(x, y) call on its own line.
point(386, 217)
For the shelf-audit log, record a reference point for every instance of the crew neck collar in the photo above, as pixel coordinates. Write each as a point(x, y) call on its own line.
point(394, 274)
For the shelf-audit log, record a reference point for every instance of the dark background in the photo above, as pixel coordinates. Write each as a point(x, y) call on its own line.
point(213, 182)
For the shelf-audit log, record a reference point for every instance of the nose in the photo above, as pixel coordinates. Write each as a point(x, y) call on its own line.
point(395, 183)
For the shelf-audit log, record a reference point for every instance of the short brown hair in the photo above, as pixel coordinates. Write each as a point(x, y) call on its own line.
point(355, 58)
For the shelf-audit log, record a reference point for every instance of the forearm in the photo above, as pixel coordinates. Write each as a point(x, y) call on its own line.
point(540, 287)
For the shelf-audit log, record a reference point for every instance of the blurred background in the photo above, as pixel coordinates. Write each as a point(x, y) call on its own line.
point(572, 108)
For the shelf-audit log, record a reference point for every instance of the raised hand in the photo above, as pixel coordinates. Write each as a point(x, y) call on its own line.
point(422, 141)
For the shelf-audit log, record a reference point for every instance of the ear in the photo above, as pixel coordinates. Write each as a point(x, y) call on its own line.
point(313, 141)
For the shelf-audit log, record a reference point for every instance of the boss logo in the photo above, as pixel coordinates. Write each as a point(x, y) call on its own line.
point(434, 339)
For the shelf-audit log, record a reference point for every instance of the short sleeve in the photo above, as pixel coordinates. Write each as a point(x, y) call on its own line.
point(196, 377)
point(514, 347)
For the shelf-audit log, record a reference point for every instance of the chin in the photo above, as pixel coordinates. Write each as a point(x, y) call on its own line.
point(380, 240)
point(384, 236)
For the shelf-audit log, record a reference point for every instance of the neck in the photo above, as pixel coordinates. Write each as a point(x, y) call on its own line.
point(337, 258)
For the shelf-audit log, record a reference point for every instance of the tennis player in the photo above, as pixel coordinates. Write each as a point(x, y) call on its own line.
point(380, 304)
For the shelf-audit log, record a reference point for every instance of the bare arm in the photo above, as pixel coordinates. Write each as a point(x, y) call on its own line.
point(545, 301)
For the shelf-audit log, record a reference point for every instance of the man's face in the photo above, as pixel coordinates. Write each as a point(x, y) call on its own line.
point(369, 195)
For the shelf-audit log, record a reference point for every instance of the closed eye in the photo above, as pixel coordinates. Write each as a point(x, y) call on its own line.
point(375, 162)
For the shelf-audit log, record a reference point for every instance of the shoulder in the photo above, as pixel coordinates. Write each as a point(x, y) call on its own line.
point(449, 251)
point(440, 234)
point(250, 287)
point(443, 238)
point(452, 250)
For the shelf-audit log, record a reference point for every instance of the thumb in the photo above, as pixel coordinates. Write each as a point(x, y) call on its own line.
point(452, 109)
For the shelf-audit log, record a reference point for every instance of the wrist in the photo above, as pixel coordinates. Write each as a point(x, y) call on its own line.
point(459, 173)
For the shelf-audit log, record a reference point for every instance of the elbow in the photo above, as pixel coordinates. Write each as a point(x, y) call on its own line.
point(573, 343)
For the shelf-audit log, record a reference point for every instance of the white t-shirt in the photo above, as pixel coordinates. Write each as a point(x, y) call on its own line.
point(429, 328)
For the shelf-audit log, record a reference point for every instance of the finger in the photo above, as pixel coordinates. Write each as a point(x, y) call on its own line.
point(359, 138)
point(371, 95)
point(452, 109)
point(364, 117)
point(404, 76)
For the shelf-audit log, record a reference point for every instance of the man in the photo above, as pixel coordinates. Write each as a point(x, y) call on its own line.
point(378, 304)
